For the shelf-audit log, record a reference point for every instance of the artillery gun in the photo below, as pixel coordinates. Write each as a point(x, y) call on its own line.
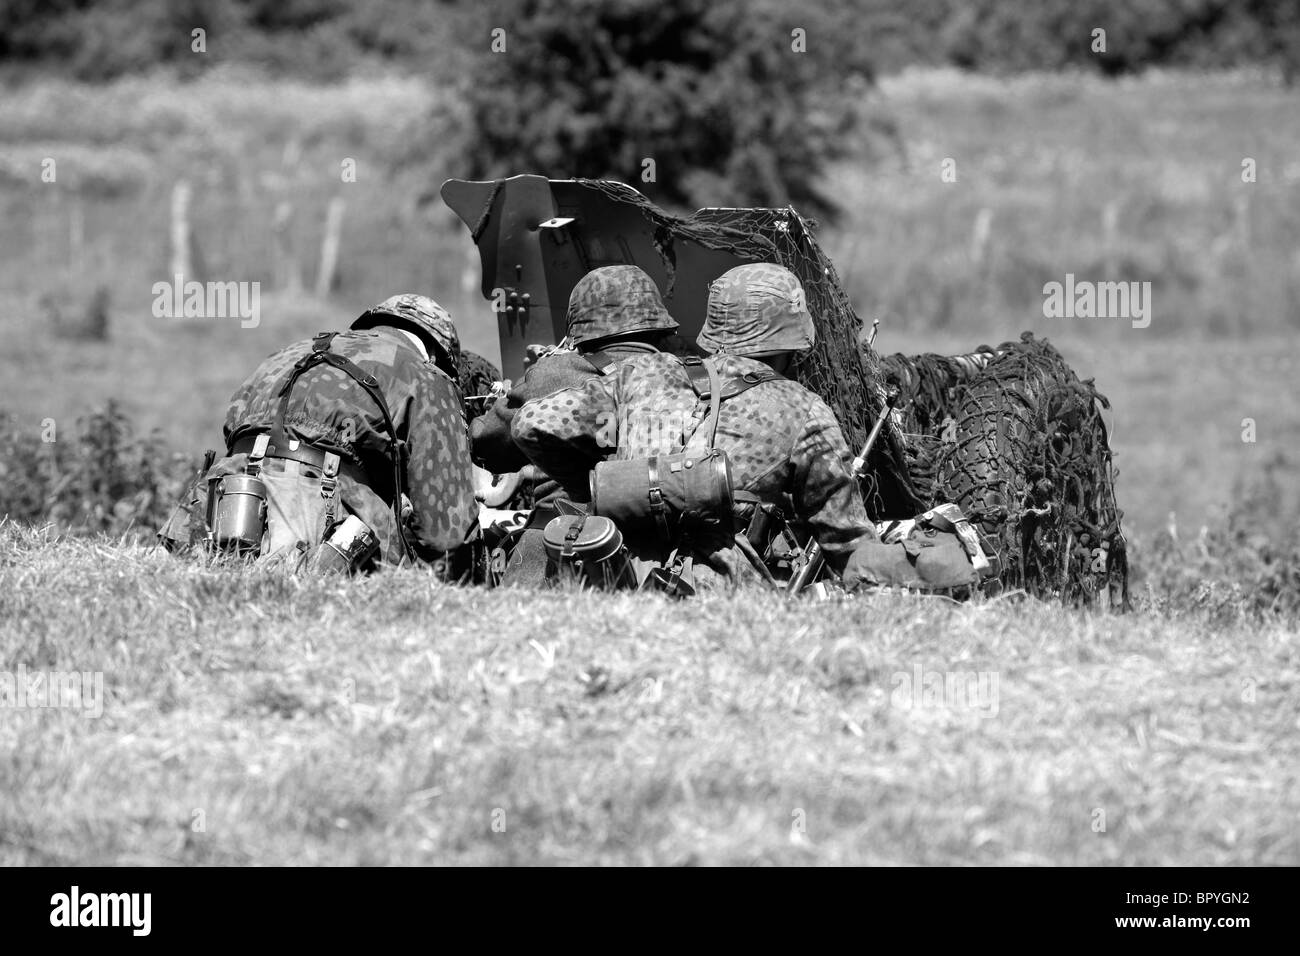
point(1009, 434)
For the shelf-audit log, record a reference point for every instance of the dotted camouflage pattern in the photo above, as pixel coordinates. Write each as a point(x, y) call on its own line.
point(423, 315)
point(755, 309)
point(615, 300)
point(780, 438)
point(328, 409)
point(490, 438)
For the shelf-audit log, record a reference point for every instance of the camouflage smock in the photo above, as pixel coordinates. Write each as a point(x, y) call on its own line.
point(490, 437)
point(780, 437)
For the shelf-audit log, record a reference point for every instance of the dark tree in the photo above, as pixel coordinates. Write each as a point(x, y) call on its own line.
point(717, 94)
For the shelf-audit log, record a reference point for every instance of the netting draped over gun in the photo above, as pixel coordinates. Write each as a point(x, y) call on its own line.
point(813, 560)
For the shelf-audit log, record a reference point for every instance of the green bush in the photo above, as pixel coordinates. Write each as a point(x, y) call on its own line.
point(104, 479)
point(1247, 564)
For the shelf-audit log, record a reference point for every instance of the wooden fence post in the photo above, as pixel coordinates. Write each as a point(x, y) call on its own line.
point(182, 260)
point(329, 249)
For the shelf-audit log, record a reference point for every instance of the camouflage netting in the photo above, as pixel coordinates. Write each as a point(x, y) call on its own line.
point(926, 385)
point(1018, 441)
point(847, 374)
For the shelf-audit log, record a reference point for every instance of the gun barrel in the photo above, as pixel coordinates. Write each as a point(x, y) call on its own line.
point(860, 463)
point(812, 566)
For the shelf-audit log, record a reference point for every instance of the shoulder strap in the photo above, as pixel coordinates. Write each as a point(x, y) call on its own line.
point(707, 383)
point(731, 386)
point(600, 361)
point(321, 354)
point(715, 402)
point(697, 373)
point(743, 383)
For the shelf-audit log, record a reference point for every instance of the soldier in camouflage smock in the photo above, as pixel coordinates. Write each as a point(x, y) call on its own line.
point(781, 438)
point(409, 346)
point(615, 313)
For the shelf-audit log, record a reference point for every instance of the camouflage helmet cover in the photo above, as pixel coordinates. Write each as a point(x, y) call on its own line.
point(426, 318)
point(756, 309)
point(613, 301)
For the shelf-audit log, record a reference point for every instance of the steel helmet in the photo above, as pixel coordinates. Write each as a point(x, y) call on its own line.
point(424, 317)
point(613, 301)
point(757, 309)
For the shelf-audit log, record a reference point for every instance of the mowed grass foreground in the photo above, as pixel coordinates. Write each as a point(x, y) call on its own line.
point(256, 718)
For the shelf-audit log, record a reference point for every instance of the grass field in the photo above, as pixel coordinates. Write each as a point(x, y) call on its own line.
point(253, 718)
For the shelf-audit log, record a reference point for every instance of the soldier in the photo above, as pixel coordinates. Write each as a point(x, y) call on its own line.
point(366, 424)
point(781, 439)
point(615, 313)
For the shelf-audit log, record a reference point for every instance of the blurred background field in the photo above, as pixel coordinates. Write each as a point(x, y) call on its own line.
point(1138, 179)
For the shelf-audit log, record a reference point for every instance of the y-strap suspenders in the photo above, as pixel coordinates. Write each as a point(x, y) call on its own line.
point(707, 384)
point(321, 355)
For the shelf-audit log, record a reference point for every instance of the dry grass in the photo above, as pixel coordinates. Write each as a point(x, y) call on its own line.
point(388, 720)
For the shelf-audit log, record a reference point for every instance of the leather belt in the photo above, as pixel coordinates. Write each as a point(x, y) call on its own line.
point(305, 454)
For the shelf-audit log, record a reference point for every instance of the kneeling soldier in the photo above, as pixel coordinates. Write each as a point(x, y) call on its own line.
point(346, 450)
point(697, 446)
